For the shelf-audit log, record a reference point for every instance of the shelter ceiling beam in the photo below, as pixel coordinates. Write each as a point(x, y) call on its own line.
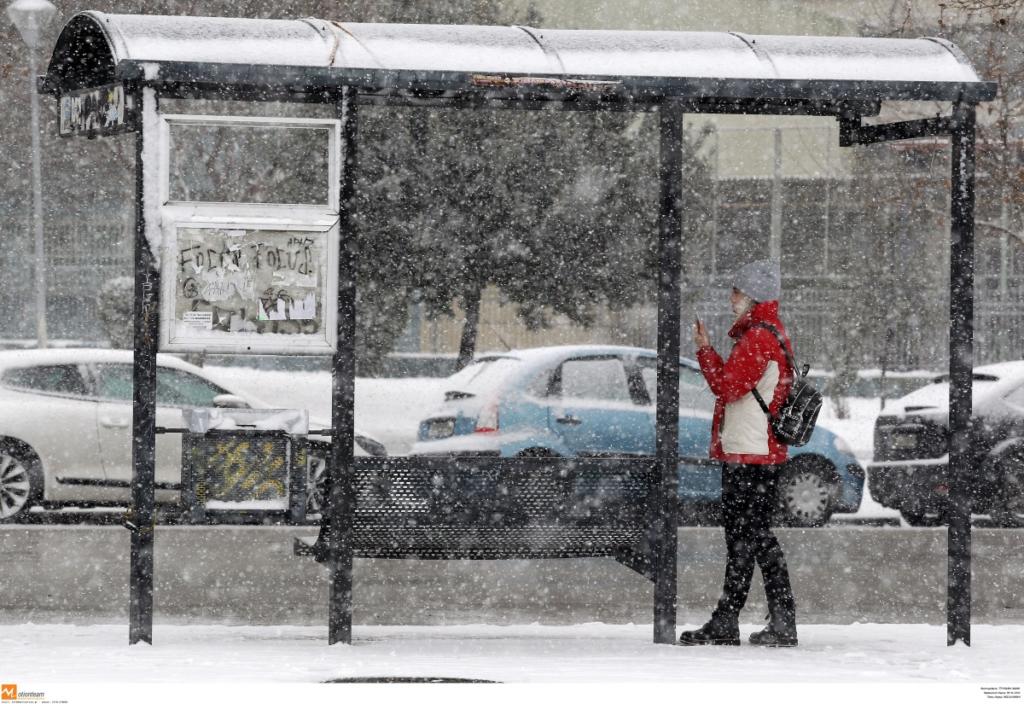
point(512, 99)
point(852, 132)
point(476, 101)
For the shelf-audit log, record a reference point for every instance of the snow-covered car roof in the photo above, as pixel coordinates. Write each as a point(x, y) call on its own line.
point(83, 355)
point(991, 381)
point(390, 57)
point(539, 356)
point(1010, 372)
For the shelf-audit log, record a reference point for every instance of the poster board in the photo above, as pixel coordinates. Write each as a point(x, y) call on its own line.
point(102, 111)
point(249, 288)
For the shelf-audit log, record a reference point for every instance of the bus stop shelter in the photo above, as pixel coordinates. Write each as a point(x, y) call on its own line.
point(111, 72)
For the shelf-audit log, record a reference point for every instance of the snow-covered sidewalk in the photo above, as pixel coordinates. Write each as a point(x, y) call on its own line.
point(37, 656)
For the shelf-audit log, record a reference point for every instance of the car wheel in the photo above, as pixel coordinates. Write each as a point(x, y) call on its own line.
point(921, 519)
point(804, 494)
point(21, 482)
point(1008, 508)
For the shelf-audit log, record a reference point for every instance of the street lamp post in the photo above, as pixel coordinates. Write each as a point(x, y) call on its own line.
point(30, 17)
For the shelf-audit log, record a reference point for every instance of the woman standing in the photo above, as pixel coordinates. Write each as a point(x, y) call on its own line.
point(742, 438)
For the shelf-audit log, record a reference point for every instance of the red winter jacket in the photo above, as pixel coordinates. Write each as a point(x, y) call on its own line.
point(740, 431)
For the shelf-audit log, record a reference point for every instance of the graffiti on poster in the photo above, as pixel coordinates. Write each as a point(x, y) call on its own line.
point(250, 281)
point(96, 111)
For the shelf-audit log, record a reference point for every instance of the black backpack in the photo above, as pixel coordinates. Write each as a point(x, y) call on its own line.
point(795, 421)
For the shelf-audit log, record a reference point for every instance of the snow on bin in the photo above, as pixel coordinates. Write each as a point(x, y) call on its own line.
point(240, 464)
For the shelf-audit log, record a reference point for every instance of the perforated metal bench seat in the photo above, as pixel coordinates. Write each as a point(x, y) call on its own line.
point(492, 508)
point(458, 543)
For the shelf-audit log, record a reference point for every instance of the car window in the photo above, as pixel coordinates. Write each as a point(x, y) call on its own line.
point(1016, 398)
point(694, 392)
point(114, 382)
point(55, 379)
point(693, 389)
point(596, 380)
point(173, 386)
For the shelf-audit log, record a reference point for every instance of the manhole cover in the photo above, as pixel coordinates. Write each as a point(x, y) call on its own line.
point(409, 680)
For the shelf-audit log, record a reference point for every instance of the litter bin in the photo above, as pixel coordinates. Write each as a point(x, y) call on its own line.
point(244, 465)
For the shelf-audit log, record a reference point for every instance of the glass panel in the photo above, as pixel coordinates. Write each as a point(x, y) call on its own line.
point(60, 379)
point(114, 382)
point(596, 379)
point(173, 387)
point(178, 388)
point(693, 390)
point(249, 164)
point(649, 372)
point(1016, 398)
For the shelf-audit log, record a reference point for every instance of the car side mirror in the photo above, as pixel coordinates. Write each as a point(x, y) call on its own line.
point(229, 401)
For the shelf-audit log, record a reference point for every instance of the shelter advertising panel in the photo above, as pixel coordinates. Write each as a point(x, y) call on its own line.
point(251, 288)
point(97, 111)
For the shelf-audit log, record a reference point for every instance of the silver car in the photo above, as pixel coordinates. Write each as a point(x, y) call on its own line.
point(66, 428)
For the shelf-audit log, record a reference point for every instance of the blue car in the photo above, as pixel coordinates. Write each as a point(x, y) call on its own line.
point(588, 400)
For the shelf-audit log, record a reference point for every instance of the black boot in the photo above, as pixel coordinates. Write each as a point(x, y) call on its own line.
point(720, 630)
point(781, 630)
point(780, 633)
point(771, 638)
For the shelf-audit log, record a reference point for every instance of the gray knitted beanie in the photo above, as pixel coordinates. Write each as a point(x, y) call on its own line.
point(761, 280)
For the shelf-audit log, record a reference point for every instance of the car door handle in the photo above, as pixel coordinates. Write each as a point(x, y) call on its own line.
point(568, 420)
point(109, 422)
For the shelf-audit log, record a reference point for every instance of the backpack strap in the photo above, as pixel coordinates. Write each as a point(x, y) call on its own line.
point(789, 358)
point(782, 343)
point(760, 402)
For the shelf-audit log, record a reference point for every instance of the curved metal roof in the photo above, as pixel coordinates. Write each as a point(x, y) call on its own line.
point(95, 47)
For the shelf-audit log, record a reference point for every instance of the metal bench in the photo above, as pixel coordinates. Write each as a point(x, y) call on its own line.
point(482, 508)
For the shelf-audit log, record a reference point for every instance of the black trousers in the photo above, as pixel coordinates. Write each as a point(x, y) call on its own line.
point(748, 501)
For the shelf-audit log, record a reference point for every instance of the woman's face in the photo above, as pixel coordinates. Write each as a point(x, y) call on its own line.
point(740, 302)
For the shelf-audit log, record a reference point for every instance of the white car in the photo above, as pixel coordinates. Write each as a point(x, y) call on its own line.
point(66, 427)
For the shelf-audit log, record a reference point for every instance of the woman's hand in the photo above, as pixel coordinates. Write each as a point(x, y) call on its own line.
point(700, 334)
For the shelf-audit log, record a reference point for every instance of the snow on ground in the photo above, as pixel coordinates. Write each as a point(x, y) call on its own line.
point(40, 655)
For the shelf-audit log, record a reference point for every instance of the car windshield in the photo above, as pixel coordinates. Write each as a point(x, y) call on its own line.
point(482, 376)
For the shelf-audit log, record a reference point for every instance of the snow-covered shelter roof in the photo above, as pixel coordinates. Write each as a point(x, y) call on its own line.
point(446, 61)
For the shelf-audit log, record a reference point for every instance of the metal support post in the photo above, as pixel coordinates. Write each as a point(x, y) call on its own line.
point(37, 208)
point(961, 361)
point(341, 502)
point(663, 538)
point(147, 325)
